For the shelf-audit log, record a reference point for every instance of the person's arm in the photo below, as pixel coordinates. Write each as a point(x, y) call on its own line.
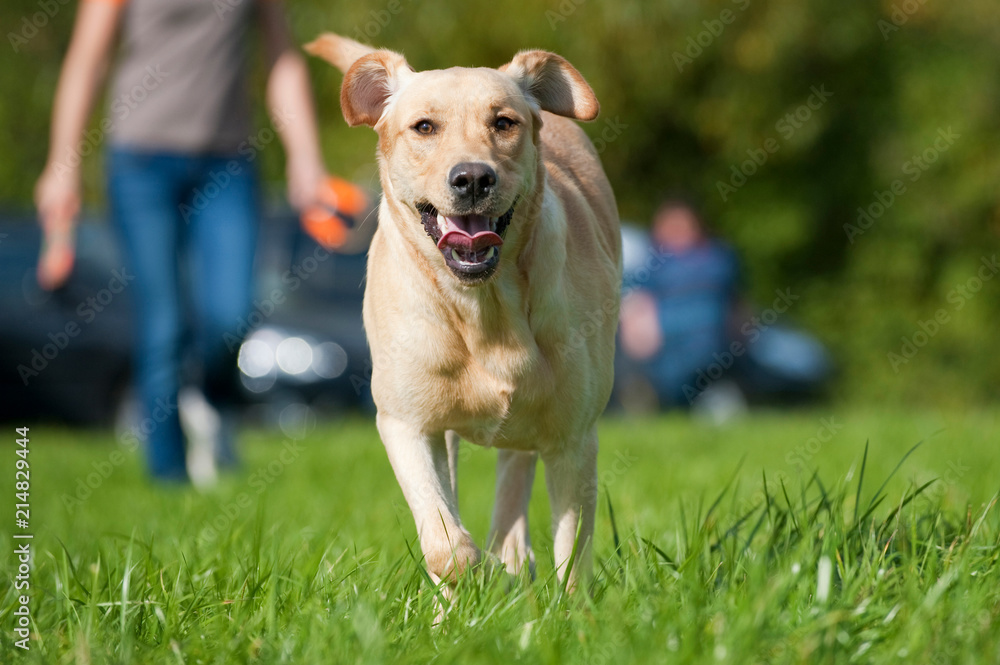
point(289, 100)
point(641, 335)
point(57, 192)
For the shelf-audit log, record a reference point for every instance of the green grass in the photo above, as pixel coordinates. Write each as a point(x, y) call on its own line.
point(307, 559)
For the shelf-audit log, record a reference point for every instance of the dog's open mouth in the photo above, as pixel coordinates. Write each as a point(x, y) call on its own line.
point(470, 244)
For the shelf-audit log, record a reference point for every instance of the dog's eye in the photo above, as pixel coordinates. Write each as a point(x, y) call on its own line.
point(503, 123)
point(424, 127)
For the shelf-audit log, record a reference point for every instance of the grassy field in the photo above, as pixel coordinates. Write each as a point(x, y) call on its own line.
point(764, 541)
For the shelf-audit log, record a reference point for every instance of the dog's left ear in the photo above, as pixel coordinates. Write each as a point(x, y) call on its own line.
point(555, 84)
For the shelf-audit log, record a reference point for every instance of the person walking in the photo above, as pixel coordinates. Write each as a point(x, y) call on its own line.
point(182, 182)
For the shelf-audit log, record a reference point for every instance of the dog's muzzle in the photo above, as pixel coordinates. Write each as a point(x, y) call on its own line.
point(470, 244)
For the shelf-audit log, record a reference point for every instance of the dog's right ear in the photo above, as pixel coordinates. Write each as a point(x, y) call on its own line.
point(372, 75)
point(340, 52)
point(369, 84)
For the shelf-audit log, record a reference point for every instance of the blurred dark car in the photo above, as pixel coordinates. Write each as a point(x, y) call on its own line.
point(65, 355)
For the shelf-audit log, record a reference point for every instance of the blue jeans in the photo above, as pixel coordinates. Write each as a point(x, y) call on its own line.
point(188, 227)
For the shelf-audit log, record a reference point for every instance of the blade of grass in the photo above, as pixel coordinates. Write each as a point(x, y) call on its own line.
point(663, 555)
point(791, 510)
point(861, 479)
point(877, 498)
point(614, 525)
point(725, 488)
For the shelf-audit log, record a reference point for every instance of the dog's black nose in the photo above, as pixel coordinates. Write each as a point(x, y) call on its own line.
point(472, 179)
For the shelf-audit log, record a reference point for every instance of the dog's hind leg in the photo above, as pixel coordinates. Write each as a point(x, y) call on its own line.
point(420, 462)
point(509, 538)
point(571, 477)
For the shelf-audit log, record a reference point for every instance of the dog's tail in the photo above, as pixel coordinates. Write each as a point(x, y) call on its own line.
point(341, 52)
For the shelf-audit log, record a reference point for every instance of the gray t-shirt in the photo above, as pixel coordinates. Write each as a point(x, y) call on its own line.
point(180, 83)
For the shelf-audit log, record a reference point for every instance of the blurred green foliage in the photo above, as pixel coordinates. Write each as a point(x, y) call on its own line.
point(691, 91)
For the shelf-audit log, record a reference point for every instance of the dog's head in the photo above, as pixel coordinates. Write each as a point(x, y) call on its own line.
point(459, 146)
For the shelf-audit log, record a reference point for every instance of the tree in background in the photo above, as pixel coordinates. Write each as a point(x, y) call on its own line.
point(848, 151)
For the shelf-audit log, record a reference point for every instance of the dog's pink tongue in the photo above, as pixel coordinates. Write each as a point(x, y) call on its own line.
point(468, 232)
point(462, 240)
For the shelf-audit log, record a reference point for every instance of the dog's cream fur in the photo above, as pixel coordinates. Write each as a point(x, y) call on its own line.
point(521, 361)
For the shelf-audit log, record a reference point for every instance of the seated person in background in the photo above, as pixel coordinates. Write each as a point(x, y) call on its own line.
point(688, 339)
point(675, 317)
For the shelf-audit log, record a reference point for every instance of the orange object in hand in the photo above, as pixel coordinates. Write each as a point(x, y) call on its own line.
point(331, 220)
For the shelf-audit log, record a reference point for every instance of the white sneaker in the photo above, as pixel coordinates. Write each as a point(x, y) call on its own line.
point(720, 402)
point(202, 426)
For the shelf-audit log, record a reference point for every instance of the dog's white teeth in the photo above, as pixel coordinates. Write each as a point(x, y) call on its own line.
point(442, 223)
point(454, 255)
point(493, 223)
point(490, 253)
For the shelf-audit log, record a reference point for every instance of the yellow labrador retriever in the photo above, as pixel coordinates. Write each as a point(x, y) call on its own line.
point(492, 291)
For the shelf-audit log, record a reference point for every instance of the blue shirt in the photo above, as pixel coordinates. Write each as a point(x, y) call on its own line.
point(694, 291)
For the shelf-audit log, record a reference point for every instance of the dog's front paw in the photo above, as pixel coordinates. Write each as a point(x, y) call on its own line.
point(449, 562)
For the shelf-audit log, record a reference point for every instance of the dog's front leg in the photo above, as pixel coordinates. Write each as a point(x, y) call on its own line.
point(453, 442)
point(571, 477)
point(420, 461)
point(509, 537)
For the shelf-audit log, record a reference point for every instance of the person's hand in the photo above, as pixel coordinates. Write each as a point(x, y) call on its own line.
point(305, 176)
point(57, 198)
point(641, 336)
